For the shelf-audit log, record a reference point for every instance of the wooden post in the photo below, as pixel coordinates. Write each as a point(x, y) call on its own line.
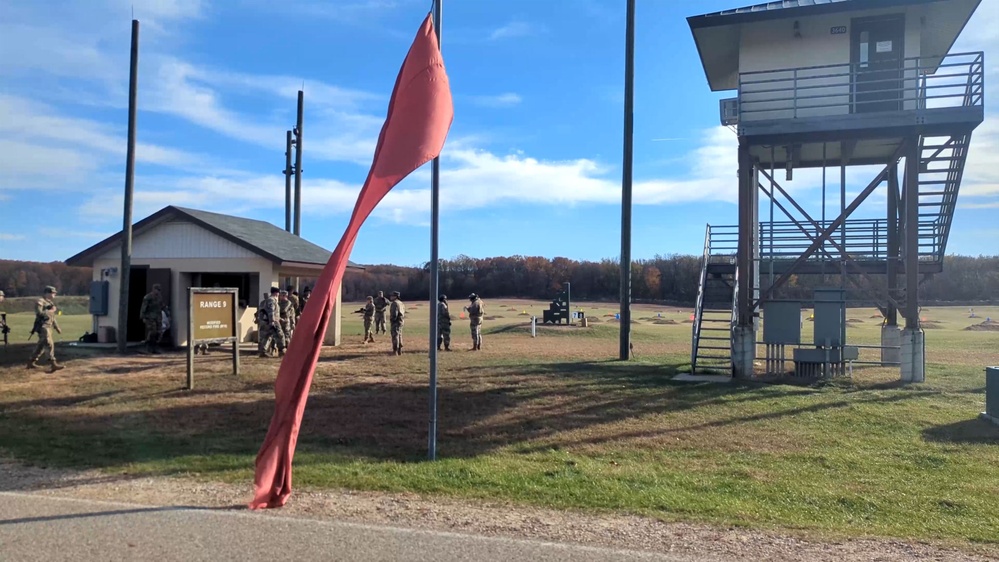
point(190, 338)
point(236, 332)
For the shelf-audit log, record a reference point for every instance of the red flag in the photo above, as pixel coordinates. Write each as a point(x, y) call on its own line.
point(419, 116)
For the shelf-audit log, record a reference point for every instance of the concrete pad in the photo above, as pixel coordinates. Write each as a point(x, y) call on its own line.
point(687, 377)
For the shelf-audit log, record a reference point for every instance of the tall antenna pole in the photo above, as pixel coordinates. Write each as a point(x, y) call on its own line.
point(126, 229)
point(629, 118)
point(298, 166)
point(287, 182)
point(435, 176)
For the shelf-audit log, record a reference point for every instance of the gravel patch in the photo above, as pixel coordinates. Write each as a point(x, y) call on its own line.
point(697, 541)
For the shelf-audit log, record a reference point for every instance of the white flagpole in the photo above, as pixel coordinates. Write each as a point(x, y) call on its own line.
point(435, 173)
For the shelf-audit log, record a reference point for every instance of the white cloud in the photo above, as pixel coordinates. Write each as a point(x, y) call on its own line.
point(11, 237)
point(39, 145)
point(512, 30)
point(508, 99)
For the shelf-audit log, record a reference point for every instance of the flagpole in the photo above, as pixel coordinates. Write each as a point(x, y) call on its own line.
point(629, 121)
point(435, 176)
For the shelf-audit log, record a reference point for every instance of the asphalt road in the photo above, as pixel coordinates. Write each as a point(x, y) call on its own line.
point(36, 527)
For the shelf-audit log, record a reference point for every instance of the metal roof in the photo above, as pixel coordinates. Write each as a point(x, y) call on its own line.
point(260, 237)
point(791, 8)
point(771, 6)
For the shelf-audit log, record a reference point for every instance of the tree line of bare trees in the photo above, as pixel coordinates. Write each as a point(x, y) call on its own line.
point(670, 279)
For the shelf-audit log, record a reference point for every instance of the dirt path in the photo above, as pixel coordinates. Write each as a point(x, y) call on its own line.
point(483, 518)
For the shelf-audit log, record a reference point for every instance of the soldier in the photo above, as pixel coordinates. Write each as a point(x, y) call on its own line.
point(268, 318)
point(443, 324)
point(259, 317)
point(369, 314)
point(45, 322)
point(397, 317)
point(306, 293)
point(286, 310)
point(151, 313)
point(4, 328)
point(475, 313)
point(381, 303)
point(293, 297)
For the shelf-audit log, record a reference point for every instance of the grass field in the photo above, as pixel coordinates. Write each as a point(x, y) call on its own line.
point(555, 421)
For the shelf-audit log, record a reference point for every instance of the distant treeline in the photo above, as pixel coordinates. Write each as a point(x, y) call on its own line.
point(669, 279)
point(28, 278)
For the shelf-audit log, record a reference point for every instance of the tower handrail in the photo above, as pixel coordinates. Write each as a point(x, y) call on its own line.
point(957, 80)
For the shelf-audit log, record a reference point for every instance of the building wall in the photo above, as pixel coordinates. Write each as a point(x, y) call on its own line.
point(771, 46)
point(187, 249)
point(181, 270)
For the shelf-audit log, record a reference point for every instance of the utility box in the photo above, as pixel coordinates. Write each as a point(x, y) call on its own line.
point(992, 393)
point(829, 315)
point(99, 292)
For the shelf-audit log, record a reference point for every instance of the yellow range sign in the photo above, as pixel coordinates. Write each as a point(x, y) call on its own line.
point(213, 315)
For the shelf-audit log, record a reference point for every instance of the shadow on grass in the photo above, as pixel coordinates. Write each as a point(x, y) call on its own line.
point(968, 432)
point(527, 406)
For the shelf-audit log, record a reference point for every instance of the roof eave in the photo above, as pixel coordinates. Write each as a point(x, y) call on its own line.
point(714, 19)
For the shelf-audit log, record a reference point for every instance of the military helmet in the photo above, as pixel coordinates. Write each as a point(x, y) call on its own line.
point(442, 298)
point(472, 297)
point(275, 290)
point(50, 289)
point(396, 294)
point(156, 287)
point(283, 293)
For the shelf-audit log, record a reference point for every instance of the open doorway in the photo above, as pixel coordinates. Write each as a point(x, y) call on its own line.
point(137, 278)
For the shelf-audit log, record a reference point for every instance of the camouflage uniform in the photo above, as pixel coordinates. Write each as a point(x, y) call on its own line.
point(268, 318)
point(443, 324)
point(381, 303)
point(397, 317)
point(151, 313)
point(45, 322)
point(369, 313)
point(286, 309)
point(475, 314)
point(293, 297)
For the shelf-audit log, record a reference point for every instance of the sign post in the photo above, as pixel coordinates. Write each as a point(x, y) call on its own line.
point(212, 317)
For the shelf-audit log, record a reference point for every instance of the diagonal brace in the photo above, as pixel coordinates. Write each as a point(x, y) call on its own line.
point(831, 229)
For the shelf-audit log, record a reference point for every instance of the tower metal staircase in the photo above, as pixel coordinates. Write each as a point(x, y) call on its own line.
point(711, 342)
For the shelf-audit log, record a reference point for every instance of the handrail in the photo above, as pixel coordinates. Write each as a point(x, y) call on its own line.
point(864, 239)
point(699, 305)
point(958, 80)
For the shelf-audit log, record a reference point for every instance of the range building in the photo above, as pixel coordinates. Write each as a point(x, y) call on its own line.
point(181, 248)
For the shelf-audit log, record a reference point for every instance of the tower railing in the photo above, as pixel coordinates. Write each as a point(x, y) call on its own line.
point(919, 83)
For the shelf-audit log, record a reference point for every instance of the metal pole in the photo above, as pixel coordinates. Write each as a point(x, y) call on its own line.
point(435, 176)
point(823, 262)
point(842, 260)
point(298, 165)
point(629, 118)
point(912, 234)
point(287, 182)
point(126, 229)
point(893, 253)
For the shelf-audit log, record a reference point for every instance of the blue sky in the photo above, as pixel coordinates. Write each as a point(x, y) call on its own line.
point(532, 165)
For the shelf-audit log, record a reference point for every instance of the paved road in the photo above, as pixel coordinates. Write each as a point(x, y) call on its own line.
point(35, 527)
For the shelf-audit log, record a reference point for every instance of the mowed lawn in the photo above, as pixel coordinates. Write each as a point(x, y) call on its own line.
point(554, 421)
